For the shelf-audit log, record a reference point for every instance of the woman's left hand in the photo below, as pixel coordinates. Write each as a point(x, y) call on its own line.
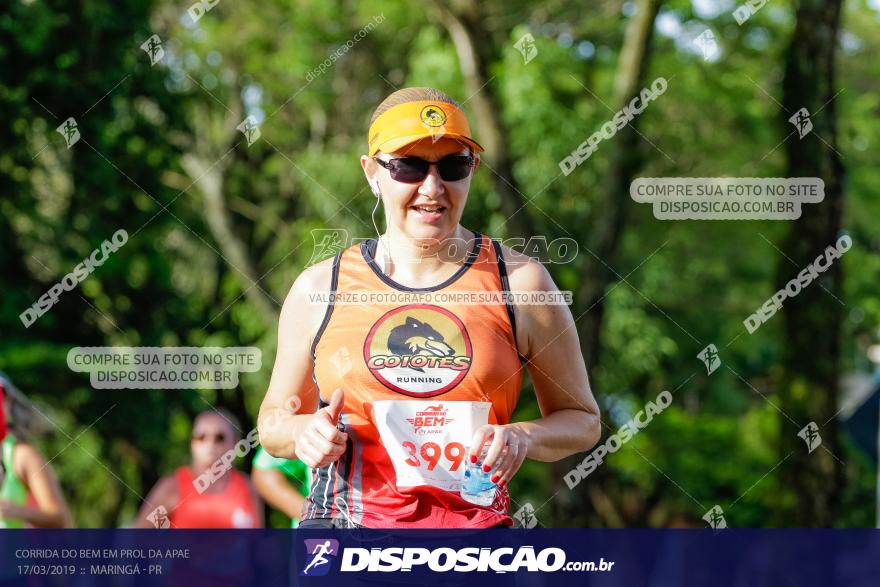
point(507, 451)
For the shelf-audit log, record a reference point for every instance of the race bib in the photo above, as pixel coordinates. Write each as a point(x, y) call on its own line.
point(427, 440)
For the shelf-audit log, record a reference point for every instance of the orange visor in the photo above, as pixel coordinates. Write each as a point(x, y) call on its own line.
point(407, 123)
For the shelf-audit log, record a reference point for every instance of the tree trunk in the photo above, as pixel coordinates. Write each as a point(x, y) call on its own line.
point(626, 160)
point(811, 484)
point(468, 34)
point(207, 169)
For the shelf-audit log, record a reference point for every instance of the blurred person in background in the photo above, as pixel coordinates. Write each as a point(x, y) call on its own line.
point(283, 483)
point(204, 494)
point(2, 435)
point(30, 495)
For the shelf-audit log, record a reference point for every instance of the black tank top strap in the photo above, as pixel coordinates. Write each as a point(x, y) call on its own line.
point(505, 286)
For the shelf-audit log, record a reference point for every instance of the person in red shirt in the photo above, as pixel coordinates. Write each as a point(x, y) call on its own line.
point(193, 496)
point(402, 386)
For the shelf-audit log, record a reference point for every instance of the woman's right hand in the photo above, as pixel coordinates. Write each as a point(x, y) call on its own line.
point(320, 442)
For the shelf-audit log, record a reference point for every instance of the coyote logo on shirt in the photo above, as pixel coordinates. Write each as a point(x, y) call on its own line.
point(418, 350)
point(418, 338)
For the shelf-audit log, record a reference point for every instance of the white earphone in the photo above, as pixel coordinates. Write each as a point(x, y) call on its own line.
point(386, 259)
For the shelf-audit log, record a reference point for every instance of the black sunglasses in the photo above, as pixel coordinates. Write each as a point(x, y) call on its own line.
point(201, 437)
point(415, 169)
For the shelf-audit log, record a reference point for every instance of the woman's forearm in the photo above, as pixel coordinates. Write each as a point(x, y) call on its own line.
point(279, 428)
point(37, 517)
point(560, 434)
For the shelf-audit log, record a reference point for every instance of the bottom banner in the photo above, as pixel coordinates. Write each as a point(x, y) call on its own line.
point(218, 558)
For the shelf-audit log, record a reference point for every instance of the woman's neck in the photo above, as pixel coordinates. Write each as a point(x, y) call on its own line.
point(417, 261)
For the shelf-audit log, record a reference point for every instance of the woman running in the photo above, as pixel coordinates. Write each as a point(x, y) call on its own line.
point(402, 382)
point(30, 495)
point(208, 493)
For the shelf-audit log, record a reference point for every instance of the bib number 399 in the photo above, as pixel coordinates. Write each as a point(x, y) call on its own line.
point(426, 439)
point(452, 454)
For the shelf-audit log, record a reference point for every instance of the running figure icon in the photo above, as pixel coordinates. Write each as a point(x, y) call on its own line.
point(321, 549)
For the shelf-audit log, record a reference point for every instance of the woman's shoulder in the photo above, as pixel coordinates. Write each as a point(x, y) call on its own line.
point(313, 280)
point(318, 277)
point(26, 459)
point(24, 453)
point(315, 277)
point(525, 273)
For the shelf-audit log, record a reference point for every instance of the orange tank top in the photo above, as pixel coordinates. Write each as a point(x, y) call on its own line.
point(421, 369)
point(231, 508)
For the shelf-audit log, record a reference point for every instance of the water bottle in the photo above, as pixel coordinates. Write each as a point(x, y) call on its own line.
point(477, 487)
